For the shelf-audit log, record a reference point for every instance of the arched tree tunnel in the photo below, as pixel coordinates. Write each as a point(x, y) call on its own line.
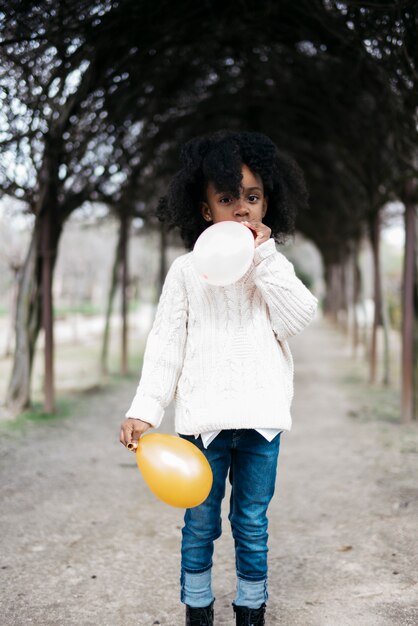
point(98, 97)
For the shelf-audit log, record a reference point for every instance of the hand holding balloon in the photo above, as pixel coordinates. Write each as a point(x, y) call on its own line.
point(261, 231)
point(131, 430)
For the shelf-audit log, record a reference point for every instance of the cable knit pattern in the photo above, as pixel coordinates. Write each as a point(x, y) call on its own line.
point(222, 352)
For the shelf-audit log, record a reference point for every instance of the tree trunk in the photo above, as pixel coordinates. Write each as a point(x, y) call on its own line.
point(28, 316)
point(364, 335)
point(27, 325)
point(415, 356)
point(11, 333)
point(48, 254)
point(163, 257)
point(350, 297)
point(334, 300)
point(124, 228)
point(343, 287)
point(408, 311)
point(357, 288)
point(110, 299)
point(340, 289)
point(374, 234)
point(332, 293)
point(327, 280)
point(386, 340)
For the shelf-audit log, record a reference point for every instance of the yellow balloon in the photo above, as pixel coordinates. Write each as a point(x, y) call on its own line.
point(175, 470)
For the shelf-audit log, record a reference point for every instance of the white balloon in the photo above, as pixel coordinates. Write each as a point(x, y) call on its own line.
point(223, 253)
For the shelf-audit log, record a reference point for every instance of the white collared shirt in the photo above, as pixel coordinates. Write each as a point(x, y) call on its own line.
point(208, 437)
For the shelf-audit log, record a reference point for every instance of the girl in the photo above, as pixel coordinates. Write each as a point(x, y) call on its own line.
point(222, 354)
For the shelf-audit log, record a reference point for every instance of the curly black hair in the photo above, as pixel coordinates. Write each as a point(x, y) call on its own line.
point(218, 157)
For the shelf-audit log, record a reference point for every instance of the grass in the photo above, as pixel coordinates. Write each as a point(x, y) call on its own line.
point(35, 415)
point(371, 402)
point(83, 309)
point(381, 405)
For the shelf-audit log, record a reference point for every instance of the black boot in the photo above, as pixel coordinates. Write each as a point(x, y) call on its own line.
point(249, 617)
point(199, 616)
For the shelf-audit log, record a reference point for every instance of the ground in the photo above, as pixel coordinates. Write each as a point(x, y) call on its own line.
point(85, 543)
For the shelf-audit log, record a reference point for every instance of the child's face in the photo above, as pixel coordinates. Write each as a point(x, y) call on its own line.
point(251, 205)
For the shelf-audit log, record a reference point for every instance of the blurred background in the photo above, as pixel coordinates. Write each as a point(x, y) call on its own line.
point(96, 99)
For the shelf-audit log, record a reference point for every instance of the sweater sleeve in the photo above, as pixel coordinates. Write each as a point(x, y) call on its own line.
point(290, 303)
point(164, 352)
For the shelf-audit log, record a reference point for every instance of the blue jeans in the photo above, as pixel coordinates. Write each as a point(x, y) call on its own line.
point(252, 464)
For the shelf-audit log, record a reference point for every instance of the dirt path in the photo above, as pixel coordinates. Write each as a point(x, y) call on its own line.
point(84, 542)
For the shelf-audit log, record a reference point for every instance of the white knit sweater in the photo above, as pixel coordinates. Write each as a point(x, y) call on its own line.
point(222, 352)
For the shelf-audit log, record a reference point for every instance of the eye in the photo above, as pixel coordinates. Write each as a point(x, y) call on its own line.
point(224, 199)
point(253, 198)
